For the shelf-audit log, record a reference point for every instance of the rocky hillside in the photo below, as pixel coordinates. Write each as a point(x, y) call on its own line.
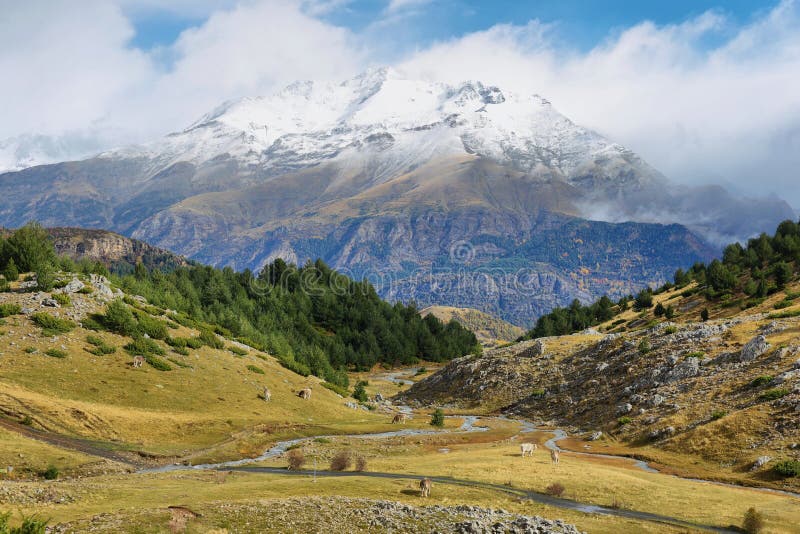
point(428, 187)
point(725, 392)
point(489, 330)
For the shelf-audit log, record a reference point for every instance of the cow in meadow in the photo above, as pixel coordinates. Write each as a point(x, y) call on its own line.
point(527, 449)
point(425, 487)
point(138, 361)
point(554, 455)
point(305, 393)
point(267, 394)
point(399, 418)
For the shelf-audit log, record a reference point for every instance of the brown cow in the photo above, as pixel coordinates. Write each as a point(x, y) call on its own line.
point(527, 448)
point(425, 487)
point(399, 418)
point(554, 455)
point(305, 393)
point(138, 361)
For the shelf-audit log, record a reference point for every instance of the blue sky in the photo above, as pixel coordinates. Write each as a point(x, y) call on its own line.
point(583, 23)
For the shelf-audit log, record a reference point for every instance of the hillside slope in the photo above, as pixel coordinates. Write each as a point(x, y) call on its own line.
point(489, 330)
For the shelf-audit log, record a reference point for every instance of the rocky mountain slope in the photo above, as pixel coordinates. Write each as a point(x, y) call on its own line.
point(422, 185)
point(724, 393)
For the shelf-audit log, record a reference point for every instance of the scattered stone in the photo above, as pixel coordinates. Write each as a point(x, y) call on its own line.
point(753, 349)
point(760, 462)
point(74, 286)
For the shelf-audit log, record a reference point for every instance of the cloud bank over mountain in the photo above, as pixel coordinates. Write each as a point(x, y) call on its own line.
point(706, 100)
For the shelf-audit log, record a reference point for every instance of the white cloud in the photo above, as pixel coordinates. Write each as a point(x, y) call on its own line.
point(399, 5)
point(727, 112)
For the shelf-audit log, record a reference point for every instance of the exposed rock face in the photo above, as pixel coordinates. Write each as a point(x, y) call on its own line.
point(754, 348)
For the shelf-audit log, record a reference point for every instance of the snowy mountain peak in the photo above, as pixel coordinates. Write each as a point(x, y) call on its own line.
point(308, 123)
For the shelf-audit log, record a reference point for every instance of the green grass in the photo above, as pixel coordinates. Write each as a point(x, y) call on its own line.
point(100, 347)
point(238, 351)
point(257, 370)
point(142, 346)
point(718, 414)
point(31, 350)
point(52, 325)
point(696, 354)
point(773, 394)
point(762, 380)
point(784, 315)
point(336, 389)
point(62, 299)
point(157, 363)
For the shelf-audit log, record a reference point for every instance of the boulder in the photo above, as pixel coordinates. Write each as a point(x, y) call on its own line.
point(73, 287)
point(753, 349)
point(686, 369)
point(50, 303)
point(624, 408)
point(595, 435)
point(760, 462)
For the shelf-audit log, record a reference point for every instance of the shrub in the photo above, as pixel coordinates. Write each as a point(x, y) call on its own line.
point(142, 346)
point(56, 353)
point(194, 343)
point(62, 299)
point(421, 371)
point(180, 350)
point(556, 489)
point(51, 473)
point(644, 346)
point(341, 461)
point(762, 380)
point(359, 393)
point(11, 272)
point(52, 325)
point(30, 350)
point(209, 338)
point(704, 314)
point(29, 525)
point(27, 420)
point(718, 414)
point(361, 463)
point(437, 418)
point(238, 351)
point(773, 394)
point(4, 285)
point(624, 420)
point(157, 363)
point(787, 468)
point(321, 440)
point(100, 346)
point(753, 521)
point(176, 341)
point(9, 309)
point(696, 354)
point(296, 459)
point(255, 369)
point(119, 319)
point(151, 326)
point(644, 300)
point(670, 330)
point(538, 392)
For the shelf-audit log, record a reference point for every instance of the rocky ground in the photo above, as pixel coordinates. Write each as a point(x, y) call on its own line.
point(328, 514)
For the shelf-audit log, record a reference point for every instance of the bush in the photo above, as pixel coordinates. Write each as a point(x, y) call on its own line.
point(341, 461)
point(644, 346)
point(787, 468)
point(624, 420)
point(51, 473)
point(176, 341)
point(11, 272)
point(718, 414)
point(9, 309)
point(27, 420)
point(56, 353)
point(556, 489)
point(238, 351)
point(100, 346)
point(255, 369)
point(336, 389)
point(359, 393)
point(437, 418)
point(753, 521)
point(141, 346)
point(644, 300)
point(4, 285)
point(157, 363)
point(762, 380)
point(209, 338)
point(296, 459)
point(696, 354)
point(361, 463)
point(194, 343)
point(30, 525)
point(62, 299)
point(52, 325)
point(151, 326)
point(773, 394)
point(180, 350)
point(704, 314)
point(119, 319)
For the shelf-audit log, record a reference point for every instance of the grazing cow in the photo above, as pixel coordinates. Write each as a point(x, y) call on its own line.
point(399, 418)
point(554, 455)
point(267, 394)
point(138, 361)
point(304, 393)
point(527, 448)
point(425, 487)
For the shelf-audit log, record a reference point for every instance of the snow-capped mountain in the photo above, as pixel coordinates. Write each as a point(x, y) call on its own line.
point(386, 118)
point(418, 183)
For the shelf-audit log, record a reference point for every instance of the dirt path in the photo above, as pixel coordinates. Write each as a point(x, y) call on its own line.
point(66, 442)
